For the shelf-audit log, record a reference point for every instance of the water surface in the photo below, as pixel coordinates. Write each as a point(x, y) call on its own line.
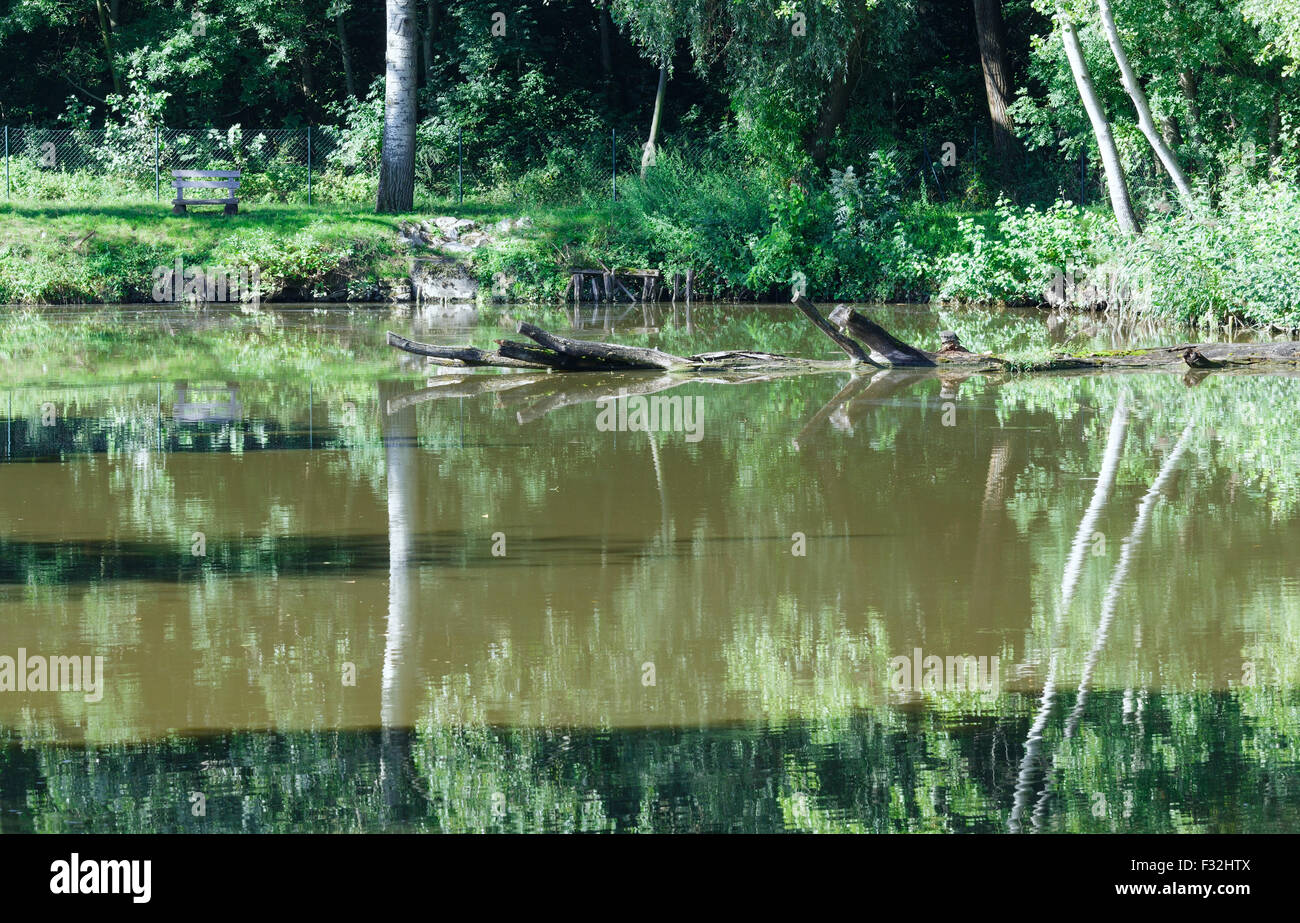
point(409, 600)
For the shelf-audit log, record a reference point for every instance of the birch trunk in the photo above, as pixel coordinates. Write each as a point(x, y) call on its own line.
point(648, 155)
point(1116, 183)
point(397, 159)
point(1135, 92)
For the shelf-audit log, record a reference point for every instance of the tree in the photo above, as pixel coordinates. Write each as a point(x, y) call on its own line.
point(1134, 89)
point(338, 10)
point(1116, 182)
point(997, 84)
point(107, 23)
point(397, 156)
point(648, 154)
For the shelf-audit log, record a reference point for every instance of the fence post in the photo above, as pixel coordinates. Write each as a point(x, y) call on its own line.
point(157, 146)
point(613, 164)
point(6, 161)
point(308, 164)
point(460, 165)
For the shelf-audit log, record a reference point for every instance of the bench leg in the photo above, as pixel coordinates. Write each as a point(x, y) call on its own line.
point(232, 210)
point(178, 208)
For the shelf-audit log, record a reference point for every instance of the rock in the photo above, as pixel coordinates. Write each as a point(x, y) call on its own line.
point(445, 224)
point(437, 279)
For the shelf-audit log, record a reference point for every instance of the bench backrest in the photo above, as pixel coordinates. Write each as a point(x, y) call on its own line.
point(208, 179)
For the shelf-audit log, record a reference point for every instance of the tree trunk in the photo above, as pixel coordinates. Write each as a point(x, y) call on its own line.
point(837, 101)
point(304, 70)
point(606, 51)
point(1116, 183)
point(1275, 132)
point(430, 20)
point(397, 158)
point(349, 80)
point(1134, 89)
point(997, 85)
point(107, 20)
point(1172, 133)
point(1187, 84)
point(648, 155)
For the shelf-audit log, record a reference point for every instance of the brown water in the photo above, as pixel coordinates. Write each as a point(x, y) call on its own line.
point(468, 575)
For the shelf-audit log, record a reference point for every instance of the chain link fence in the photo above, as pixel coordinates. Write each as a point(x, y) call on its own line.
point(135, 162)
point(318, 165)
point(324, 165)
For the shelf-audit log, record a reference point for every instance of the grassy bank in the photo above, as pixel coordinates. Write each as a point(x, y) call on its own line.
point(855, 239)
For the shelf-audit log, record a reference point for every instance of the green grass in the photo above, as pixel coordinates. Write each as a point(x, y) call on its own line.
point(53, 253)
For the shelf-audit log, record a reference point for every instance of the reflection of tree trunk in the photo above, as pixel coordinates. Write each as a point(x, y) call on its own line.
point(396, 707)
point(1032, 759)
point(997, 85)
point(1111, 599)
point(1134, 89)
point(1116, 183)
point(648, 155)
point(989, 552)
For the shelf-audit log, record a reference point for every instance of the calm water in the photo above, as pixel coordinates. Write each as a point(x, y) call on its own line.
point(404, 600)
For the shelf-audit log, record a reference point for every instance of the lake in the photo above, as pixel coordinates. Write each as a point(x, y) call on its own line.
point(313, 585)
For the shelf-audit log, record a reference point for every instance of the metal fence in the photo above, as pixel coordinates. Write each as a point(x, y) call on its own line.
point(327, 165)
point(316, 165)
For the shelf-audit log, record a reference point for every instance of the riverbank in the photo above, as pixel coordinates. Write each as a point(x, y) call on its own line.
point(1232, 268)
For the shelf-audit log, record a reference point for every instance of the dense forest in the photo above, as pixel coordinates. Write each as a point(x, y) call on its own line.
point(1144, 152)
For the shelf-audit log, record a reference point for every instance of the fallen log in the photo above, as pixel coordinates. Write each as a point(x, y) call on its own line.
point(864, 341)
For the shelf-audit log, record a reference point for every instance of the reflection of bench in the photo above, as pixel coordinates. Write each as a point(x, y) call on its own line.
point(650, 282)
point(186, 410)
point(205, 179)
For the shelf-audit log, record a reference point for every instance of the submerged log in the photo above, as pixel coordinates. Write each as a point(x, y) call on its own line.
point(856, 331)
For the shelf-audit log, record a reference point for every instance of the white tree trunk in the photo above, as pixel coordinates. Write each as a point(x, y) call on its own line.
point(397, 159)
point(1116, 183)
point(1134, 89)
point(648, 154)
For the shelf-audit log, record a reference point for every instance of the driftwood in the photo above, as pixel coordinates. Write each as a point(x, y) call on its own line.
point(867, 344)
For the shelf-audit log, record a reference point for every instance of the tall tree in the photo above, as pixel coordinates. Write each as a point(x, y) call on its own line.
point(107, 23)
point(991, 35)
point(397, 156)
point(1116, 182)
point(1134, 89)
point(338, 10)
point(835, 105)
point(426, 37)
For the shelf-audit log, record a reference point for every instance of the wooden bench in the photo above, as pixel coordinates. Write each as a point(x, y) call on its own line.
point(205, 179)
